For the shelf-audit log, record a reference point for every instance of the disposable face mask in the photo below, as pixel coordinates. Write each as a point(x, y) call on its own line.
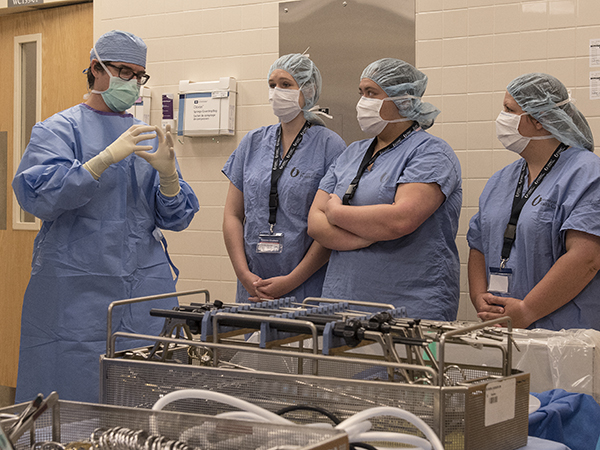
point(121, 94)
point(507, 131)
point(369, 118)
point(285, 103)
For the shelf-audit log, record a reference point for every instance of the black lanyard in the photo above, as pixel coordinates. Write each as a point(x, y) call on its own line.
point(369, 159)
point(278, 167)
point(519, 201)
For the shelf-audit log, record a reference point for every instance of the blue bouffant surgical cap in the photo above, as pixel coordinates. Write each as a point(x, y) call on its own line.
point(547, 100)
point(398, 78)
point(308, 78)
point(120, 46)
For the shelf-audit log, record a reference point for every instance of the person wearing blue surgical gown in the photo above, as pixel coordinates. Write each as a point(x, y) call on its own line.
point(298, 269)
point(100, 238)
point(555, 255)
point(393, 234)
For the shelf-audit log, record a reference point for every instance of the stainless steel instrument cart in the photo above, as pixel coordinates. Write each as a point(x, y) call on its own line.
point(468, 406)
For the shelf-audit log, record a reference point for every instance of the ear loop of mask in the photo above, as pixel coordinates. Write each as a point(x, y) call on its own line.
point(94, 91)
point(399, 97)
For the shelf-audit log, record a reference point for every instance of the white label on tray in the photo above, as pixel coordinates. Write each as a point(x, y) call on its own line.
point(500, 401)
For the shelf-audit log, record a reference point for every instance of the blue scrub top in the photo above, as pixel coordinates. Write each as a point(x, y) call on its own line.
point(419, 271)
point(249, 169)
point(567, 199)
point(95, 246)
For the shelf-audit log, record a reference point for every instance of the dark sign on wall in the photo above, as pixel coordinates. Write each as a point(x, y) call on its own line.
point(13, 3)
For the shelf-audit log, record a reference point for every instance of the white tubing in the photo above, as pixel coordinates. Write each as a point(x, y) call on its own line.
point(251, 417)
point(323, 425)
point(379, 447)
point(221, 398)
point(357, 428)
point(395, 412)
point(242, 415)
point(399, 438)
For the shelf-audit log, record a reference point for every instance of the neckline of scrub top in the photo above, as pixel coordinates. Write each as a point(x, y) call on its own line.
point(278, 168)
point(369, 158)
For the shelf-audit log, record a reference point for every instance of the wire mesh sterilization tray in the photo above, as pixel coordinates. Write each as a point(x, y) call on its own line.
point(468, 406)
point(345, 386)
point(74, 422)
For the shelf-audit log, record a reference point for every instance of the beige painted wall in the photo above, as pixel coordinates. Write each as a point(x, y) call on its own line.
point(470, 49)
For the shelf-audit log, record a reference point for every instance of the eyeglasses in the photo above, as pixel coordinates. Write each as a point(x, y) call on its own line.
point(126, 73)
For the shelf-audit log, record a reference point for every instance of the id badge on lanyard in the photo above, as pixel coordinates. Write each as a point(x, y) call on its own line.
point(269, 242)
point(499, 280)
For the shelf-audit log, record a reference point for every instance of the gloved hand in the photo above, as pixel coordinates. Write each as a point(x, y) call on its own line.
point(163, 160)
point(124, 146)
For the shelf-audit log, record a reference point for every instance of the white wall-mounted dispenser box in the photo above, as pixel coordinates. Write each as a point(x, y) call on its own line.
point(207, 108)
point(141, 108)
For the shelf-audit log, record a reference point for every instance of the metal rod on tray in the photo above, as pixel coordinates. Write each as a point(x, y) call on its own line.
point(264, 351)
point(303, 324)
point(30, 415)
point(506, 366)
point(350, 302)
point(56, 437)
point(386, 343)
point(109, 350)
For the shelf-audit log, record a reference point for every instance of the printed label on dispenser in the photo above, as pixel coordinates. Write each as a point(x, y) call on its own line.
point(500, 401)
point(202, 111)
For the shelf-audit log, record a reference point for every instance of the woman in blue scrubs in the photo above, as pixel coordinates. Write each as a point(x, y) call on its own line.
point(274, 174)
point(535, 241)
point(103, 186)
point(389, 206)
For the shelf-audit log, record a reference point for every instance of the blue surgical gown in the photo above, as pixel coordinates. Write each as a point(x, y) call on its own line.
point(95, 246)
point(567, 199)
point(249, 169)
point(419, 271)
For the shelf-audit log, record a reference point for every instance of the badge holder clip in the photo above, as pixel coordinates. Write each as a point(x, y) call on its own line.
point(269, 242)
point(500, 279)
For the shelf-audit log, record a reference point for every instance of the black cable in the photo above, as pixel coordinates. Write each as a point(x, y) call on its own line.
point(355, 445)
point(322, 411)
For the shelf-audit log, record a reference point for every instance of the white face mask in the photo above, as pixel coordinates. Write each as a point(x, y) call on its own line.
point(285, 103)
point(368, 116)
point(507, 131)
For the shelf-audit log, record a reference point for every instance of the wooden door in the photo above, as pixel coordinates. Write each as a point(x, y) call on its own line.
point(66, 42)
